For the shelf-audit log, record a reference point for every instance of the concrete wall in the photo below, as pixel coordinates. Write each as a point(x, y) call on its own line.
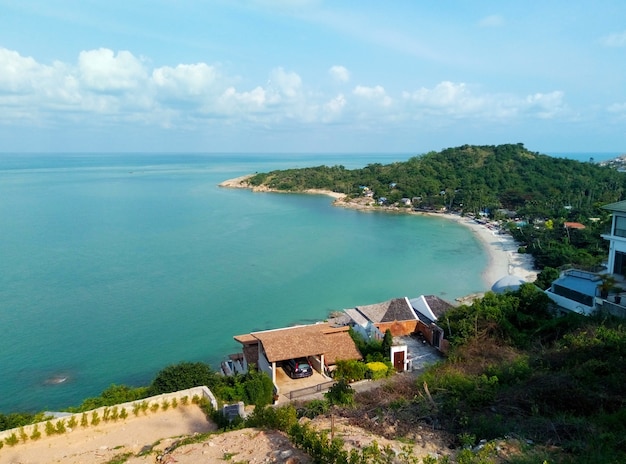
point(200, 392)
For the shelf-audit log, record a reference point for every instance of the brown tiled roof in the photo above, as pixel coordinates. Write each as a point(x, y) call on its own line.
point(437, 305)
point(306, 340)
point(292, 342)
point(398, 309)
point(574, 225)
point(340, 346)
point(246, 339)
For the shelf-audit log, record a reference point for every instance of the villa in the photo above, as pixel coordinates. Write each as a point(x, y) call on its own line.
point(585, 292)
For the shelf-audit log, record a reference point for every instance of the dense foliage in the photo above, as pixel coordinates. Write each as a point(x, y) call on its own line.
point(469, 178)
point(514, 370)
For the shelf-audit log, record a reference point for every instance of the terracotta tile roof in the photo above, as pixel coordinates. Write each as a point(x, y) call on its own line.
point(340, 346)
point(306, 340)
point(246, 339)
point(574, 225)
point(397, 309)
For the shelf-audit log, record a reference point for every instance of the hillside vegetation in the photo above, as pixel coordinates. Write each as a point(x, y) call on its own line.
point(467, 178)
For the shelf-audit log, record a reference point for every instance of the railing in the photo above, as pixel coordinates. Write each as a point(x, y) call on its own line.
point(614, 309)
point(310, 390)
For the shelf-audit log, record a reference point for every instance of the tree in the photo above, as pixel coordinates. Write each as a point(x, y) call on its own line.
point(387, 343)
point(181, 376)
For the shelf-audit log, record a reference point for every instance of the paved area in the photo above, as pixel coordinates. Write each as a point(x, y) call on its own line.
point(420, 354)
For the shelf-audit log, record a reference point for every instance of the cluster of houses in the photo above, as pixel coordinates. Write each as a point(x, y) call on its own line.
point(586, 292)
point(323, 344)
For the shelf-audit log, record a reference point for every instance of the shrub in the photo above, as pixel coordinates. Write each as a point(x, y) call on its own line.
point(36, 435)
point(282, 418)
point(23, 435)
point(315, 408)
point(71, 423)
point(84, 422)
point(60, 426)
point(341, 393)
point(50, 430)
point(123, 414)
point(95, 420)
point(350, 370)
point(181, 376)
point(377, 370)
point(11, 440)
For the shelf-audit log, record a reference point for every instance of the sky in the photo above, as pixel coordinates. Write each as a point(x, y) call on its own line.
point(274, 76)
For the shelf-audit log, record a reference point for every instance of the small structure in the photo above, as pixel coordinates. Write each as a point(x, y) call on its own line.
point(233, 411)
point(508, 283)
point(372, 321)
point(321, 344)
point(430, 310)
point(585, 292)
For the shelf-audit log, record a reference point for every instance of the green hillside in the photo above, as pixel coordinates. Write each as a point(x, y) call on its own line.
point(467, 178)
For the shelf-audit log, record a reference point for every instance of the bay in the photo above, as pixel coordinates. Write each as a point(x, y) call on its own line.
point(114, 266)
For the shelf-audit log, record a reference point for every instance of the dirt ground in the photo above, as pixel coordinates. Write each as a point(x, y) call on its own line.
point(155, 433)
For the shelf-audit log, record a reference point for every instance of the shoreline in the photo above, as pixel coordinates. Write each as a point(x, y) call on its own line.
point(501, 248)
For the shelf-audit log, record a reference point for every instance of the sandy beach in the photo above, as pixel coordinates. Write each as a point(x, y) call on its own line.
point(504, 260)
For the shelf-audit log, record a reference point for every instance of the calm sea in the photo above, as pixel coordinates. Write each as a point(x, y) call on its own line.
point(115, 266)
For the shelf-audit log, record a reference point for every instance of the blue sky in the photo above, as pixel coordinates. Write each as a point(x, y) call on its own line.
point(404, 76)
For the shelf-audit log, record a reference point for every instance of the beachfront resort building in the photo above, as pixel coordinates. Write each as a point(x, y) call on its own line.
point(586, 292)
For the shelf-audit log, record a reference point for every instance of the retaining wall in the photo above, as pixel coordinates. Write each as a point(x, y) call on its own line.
point(151, 405)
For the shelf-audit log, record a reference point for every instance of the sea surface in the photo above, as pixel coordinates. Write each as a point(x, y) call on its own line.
point(114, 266)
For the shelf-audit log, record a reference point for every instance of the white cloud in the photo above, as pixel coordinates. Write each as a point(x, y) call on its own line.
point(232, 101)
point(339, 73)
point(377, 94)
point(334, 107)
point(459, 101)
point(185, 79)
point(491, 21)
point(617, 108)
point(614, 40)
point(104, 71)
point(546, 105)
point(286, 83)
point(447, 98)
point(124, 89)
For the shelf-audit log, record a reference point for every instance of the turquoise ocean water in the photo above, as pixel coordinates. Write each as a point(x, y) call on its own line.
point(114, 266)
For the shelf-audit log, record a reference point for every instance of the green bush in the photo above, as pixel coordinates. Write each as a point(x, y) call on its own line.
point(36, 434)
point(281, 418)
point(182, 376)
point(377, 370)
point(350, 370)
point(315, 408)
point(341, 393)
point(11, 440)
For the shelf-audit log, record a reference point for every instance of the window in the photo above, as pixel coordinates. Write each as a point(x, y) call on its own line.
point(620, 226)
point(573, 295)
point(619, 267)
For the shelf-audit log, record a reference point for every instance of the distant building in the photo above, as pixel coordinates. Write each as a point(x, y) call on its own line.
point(586, 292)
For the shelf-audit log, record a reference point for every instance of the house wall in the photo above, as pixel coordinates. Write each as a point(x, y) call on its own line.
point(265, 366)
point(427, 331)
point(616, 243)
point(398, 328)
